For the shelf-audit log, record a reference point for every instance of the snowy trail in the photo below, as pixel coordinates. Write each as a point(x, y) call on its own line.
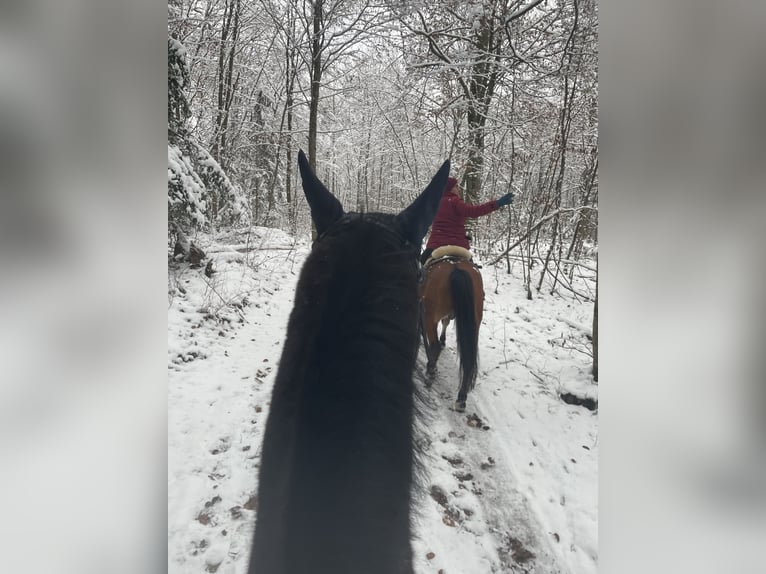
point(488, 525)
point(516, 474)
point(518, 497)
point(217, 408)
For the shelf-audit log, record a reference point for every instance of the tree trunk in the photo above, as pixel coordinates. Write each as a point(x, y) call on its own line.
point(513, 172)
point(316, 78)
point(226, 82)
point(290, 73)
point(595, 330)
point(475, 162)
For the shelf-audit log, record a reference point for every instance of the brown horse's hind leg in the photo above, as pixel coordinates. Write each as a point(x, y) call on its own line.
point(443, 336)
point(433, 348)
point(460, 402)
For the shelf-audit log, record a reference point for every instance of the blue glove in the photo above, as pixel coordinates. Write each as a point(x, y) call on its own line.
point(505, 200)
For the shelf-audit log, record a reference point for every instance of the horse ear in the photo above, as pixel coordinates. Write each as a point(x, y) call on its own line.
point(325, 208)
point(419, 215)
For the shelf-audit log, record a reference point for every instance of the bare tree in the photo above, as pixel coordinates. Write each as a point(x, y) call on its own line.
point(334, 27)
point(508, 90)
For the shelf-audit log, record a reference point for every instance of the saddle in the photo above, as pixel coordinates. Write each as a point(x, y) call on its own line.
point(448, 252)
point(451, 251)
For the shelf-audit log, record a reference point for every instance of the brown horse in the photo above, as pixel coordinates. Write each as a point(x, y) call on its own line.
point(452, 288)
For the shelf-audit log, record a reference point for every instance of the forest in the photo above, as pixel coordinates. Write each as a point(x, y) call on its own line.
point(378, 93)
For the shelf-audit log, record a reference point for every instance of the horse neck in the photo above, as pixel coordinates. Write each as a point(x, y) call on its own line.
point(338, 455)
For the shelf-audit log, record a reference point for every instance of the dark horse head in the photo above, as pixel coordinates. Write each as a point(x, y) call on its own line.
point(337, 460)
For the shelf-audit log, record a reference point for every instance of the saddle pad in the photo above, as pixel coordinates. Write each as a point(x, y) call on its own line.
point(451, 250)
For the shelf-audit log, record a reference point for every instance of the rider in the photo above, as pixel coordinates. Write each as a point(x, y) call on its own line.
point(448, 227)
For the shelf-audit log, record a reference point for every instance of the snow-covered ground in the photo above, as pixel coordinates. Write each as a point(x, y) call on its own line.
point(512, 482)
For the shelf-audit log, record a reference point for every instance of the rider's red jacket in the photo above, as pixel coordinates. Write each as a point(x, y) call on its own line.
point(449, 224)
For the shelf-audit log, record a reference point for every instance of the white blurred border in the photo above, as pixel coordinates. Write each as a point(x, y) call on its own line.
point(682, 469)
point(83, 309)
point(82, 297)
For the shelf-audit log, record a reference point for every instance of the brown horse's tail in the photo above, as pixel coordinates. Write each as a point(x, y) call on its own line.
point(461, 287)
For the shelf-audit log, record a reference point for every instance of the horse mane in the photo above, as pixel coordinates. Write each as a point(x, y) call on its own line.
point(338, 459)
